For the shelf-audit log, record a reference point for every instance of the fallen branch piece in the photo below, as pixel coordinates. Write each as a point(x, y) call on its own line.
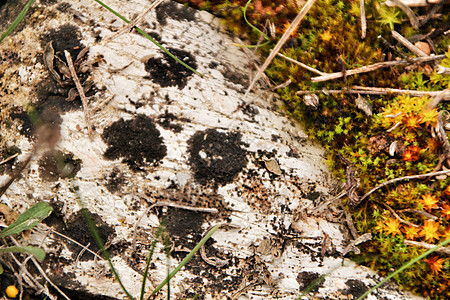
point(302, 65)
point(442, 250)
point(80, 91)
point(408, 44)
point(377, 66)
point(281, 42)
point(403, 178)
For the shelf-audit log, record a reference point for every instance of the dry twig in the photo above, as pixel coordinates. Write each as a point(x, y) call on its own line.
point(302, 65)
point(409, 12)
point(403, 178)
point(420, 212)
point(363, 19)
point(399, 218)
point(377, 66)
point(80, 91)
point(442, 250)
point(408, 44)
point(133, 23)
point(281, 42)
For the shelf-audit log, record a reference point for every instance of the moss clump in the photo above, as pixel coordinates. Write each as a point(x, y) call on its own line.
point(398, 140)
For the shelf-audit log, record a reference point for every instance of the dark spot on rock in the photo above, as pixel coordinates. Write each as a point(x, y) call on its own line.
point(250, 110)
point(167, 119)
point(356, 288)
point(216, 157)
point(234, 76)
point(166, 71)
point(155, 36)
point(213, 65)
point(183, 225)
point(137, 140)
point(275, 138)
point(115, 180)
point(309, 281)
point(56, 218)
point(65, 37)
point(55, 164)
point(174, 11)
point(78, 230)
point(5, 154)
point(26, 126)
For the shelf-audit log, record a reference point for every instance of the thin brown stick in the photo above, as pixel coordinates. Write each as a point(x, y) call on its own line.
point(409, 12)
point(377, 66)
point(399, 218)
point(281, 42)
point(412, 3)
point(445, 94)
point(408, 44)
point(80, 91)
point(432, 11)
point(302, 65)
point(133, 23)
point(403, 178)
point(442, 250)
point(363, 19)
point(9, 158)
point(420, 212)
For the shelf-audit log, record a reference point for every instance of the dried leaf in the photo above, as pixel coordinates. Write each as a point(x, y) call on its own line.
point(49, 56)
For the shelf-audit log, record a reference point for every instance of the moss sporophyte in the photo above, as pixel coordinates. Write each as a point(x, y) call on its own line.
point(400, 138)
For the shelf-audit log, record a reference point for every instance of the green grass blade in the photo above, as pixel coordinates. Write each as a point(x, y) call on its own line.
point(35, 251)
point(17, 20)
point(101, 245)
point(249, 24)
point(185, 260)
point(30, 218)
point(409, 264)
point(149, 38)
point(149, 259)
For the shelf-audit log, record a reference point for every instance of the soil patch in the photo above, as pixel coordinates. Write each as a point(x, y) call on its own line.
point(216, 157)
point(55, 165)
point(166, 71)
point(137, 140)
point(78, 230)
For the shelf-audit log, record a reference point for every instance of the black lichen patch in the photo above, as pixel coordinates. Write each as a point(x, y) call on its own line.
point(78, 230)
point(137, 140)
point(65, 37)
point(250, 110)
point(55, 164)
point(356, 288)
point(216, 157)
point(8, 155)
point(174, 11)
point(167, 119)
point(115, 180)
point(166, 71)
point(310, 281)
point(26, 126)
point(183, 225)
